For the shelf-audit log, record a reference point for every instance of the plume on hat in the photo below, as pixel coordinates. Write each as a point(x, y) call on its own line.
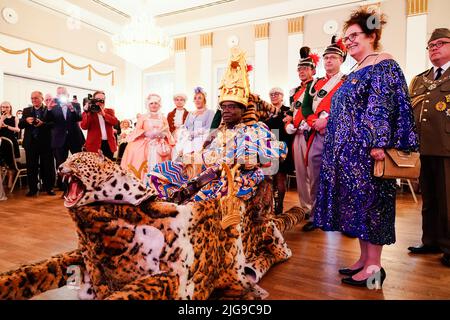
point(307, 58)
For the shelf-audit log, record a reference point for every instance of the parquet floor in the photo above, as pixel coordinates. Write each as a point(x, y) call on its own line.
point(34, 229)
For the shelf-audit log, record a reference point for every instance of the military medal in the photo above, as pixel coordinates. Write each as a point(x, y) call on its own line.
point(354, 81)
point(440, 106)
point(448, 98)
point(322, 93)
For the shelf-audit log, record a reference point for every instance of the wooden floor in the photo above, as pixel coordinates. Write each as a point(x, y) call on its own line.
point(34, 229)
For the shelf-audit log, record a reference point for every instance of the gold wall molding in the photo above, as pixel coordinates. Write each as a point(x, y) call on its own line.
point(206, 40)
point(416, 7)
point(63, 61)
point(373, 6)
point(180, 44)
point(295, 25)
point(262, 30)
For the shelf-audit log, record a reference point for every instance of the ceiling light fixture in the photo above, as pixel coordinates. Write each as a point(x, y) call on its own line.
point(141, 42)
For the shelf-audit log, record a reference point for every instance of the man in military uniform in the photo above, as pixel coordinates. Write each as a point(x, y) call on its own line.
point(301, 107)
point(321, 92)
point(430, 94)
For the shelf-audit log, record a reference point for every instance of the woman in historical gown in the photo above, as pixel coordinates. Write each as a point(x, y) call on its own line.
point(150, 143)
point(370, 112)
point(197, 126)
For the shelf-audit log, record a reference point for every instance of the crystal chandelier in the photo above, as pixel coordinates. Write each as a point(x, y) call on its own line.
point(142, 43)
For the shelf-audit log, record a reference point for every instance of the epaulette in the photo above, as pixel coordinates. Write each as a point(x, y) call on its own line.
point(423, 73)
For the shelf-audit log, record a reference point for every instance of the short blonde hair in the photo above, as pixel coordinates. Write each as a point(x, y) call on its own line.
point(9, 104)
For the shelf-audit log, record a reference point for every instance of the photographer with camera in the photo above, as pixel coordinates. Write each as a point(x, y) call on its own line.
point(37, 144)
point(66, 132)
point(99, 122)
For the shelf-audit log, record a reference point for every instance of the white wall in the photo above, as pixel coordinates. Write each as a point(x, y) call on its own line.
point(17, 90)
point(393, 40)
point(47, 77)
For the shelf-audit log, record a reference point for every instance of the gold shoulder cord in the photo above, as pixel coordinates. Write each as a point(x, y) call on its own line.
point(418, 99)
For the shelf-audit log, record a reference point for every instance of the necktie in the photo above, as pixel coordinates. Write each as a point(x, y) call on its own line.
point(64, 110)
point(438, 73)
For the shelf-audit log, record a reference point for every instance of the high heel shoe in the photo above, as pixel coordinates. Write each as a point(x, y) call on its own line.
point(349, 272)
point(375, 281)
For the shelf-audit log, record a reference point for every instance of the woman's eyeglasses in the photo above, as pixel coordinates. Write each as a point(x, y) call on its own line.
point(351, 37)
point(437, 45)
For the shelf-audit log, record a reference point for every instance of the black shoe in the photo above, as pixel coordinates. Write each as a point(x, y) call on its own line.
point(51, 193)
point(445, 259)
point(309, 226)
point(422, 249)
point(349, 272)
point(376, 280)
point(31, 193)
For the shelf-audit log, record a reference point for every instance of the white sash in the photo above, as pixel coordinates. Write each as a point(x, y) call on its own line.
point(328, 87)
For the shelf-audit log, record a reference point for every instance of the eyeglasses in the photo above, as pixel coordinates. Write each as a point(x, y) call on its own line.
point(351, 37)
point(230, 107)
point(275, 94)
point(436, 45)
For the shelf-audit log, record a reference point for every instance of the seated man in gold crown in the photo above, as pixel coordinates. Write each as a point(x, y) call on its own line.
point(240, 140)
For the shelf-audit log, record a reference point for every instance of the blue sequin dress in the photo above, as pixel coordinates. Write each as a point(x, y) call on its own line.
point(372, 109)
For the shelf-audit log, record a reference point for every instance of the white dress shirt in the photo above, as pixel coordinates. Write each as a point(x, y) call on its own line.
point(444, 68)
point(101, 120)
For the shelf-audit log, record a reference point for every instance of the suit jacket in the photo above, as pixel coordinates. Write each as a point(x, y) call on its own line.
point(431, 102)
point(66, 129)
point(171, 118)
point(43, 132)
point(91, 123)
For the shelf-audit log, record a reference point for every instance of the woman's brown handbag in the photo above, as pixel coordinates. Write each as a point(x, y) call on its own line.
point(398, 165)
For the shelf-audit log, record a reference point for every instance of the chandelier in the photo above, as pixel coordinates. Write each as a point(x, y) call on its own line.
point(141, 42)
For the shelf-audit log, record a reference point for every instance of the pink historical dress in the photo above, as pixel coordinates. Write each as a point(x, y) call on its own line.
point(149, 144)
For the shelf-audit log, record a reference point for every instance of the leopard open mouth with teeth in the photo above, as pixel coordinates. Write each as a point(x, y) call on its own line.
point(75, 189)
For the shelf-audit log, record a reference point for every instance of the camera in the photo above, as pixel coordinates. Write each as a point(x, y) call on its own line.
point(92, 104)
point(35, 121)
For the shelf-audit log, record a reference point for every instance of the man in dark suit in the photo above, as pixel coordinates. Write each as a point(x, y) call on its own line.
point(66, 132)
point(430, 95)
point(37, 145)
point(99, 122)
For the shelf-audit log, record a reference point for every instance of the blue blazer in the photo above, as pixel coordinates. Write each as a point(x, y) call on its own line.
point(66, 129)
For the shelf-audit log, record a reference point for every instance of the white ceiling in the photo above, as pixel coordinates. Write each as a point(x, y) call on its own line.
point(184, 17)
point(159, 7)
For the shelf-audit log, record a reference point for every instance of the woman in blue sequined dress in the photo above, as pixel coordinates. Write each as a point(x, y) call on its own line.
point(369, 113)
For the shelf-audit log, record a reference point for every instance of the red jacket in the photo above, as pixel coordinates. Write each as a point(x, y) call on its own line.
point(171, 118)
point(91, 123)
point(325, 104)
point(299, 116)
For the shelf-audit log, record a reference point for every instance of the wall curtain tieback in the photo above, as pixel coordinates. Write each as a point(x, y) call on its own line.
point(62, 60)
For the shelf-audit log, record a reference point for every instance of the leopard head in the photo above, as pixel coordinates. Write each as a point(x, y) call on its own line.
point(91, 177)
